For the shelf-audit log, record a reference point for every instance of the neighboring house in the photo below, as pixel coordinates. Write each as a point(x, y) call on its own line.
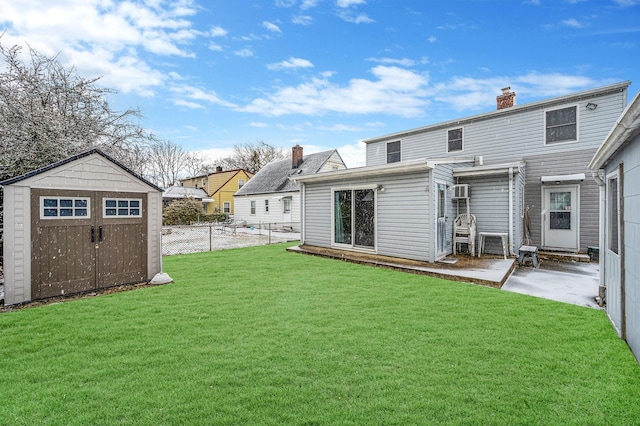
point(515, 163)
point(220, 186)
point(271, 197)
point(616, 167)
point(174, 193)
point(80, 224)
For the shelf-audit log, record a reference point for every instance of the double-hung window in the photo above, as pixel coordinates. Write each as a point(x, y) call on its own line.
point(561, 125)
point(393, 152)
point(253, 207)
point(454, 140)
point(266, 206)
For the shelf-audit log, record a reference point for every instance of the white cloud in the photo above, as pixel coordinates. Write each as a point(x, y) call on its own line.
point(308, 4)
point(196, 94)
point(432, 39)
point(394, 91)
point(349, 3)
point(573, 23)
point(292, 63)
point(361, 18)
point(271, 27)
point(245, 53)
point(405, 62)
point(260, 125)
point(104, 37)
point(302, 19)
point(218, 32)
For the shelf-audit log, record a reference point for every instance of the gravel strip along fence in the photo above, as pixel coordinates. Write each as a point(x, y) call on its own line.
point(220, 236)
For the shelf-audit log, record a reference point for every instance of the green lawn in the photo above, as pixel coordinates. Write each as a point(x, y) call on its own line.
point(262, 336)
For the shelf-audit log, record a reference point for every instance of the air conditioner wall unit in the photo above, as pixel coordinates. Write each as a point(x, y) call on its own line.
point(460, 191)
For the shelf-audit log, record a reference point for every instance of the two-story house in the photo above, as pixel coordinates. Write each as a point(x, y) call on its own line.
point(520, 171)
point(220, 186)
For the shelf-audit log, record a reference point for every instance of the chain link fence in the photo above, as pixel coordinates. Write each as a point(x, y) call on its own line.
point(201, 237)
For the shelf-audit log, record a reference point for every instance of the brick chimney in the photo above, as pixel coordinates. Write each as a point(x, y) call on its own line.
point(507, 99)
point(218, 169)
point(296, 156)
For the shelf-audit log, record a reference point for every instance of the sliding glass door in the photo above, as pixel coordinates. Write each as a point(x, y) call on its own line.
point(354, 217)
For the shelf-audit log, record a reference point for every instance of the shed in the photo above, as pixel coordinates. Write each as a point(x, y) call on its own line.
point(616, 167)
point(84, 223)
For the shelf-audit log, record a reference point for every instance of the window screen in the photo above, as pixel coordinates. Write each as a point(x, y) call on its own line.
point(561, 125)
point(454, 140)
point(393, 152)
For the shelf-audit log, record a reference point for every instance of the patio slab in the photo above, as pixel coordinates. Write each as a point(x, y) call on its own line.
point(489, 271)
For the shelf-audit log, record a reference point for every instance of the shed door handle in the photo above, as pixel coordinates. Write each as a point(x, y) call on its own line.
point(100, 233)
point(93, 234)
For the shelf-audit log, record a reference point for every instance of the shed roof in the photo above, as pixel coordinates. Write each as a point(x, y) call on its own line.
point(68, 160)
point(274, 177)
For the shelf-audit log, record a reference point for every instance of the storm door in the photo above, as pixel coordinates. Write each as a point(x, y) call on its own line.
point(560, 217)
point(79, 242)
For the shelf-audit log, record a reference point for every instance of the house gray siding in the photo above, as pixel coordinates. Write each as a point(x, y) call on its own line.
point(518, 134)
point(403, 214)
point(629, 157)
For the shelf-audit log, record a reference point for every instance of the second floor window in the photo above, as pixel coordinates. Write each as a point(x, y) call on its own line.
point(454, 140)
point(240, 183)
point(393, 152)
point(561, 125)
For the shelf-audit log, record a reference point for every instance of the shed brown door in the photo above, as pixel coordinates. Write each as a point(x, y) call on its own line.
point(80, 244)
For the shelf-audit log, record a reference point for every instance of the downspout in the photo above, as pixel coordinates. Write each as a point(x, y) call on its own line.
point(303, 205)
point(598, 176)
point(510, 210)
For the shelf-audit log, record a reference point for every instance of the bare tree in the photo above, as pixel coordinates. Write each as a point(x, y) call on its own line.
point(165, 162)
point(48, 112)
point(252, 157)
point(193, 163)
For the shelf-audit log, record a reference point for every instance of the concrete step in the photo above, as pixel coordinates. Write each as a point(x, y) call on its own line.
point(561, 256)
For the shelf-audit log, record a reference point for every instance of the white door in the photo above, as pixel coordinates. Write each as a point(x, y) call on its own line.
point(286, 211)
point(560, 217)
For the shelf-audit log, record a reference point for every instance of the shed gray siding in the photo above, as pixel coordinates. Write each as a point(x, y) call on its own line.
point(630, 158)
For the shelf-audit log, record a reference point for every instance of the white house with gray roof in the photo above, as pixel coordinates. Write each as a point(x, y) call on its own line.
point(271, 197)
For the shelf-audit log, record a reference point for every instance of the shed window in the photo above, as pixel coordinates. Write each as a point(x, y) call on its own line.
point(121, 207)
point(561, 125)
point(393, 152)
point(253, 207)
point(64, 207)
point(454, 140)
point(613, 214)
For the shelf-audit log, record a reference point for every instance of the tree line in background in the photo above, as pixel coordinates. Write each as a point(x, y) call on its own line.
point(48, 113)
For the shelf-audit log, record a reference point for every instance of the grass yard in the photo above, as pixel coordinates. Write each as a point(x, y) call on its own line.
point(262, 336)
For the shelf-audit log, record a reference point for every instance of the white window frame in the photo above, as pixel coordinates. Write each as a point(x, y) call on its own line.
point(577, 124)
point(461, 139)
point(241, 183)
point(399, 142)
point(118, 207)
point(286, 205)
point(252, 207)
point(226, 207)
point(58, 207)
point(610, 177)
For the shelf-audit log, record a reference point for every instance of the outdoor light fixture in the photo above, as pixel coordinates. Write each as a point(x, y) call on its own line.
point(592, 106)
point(380, 188)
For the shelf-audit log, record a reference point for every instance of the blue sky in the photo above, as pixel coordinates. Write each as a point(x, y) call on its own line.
point(327, 73)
